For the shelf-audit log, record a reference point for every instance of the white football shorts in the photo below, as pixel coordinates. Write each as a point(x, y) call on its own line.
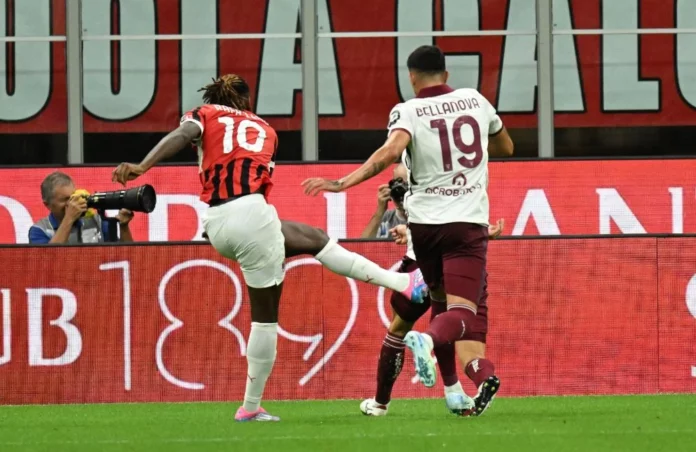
point(248, 230)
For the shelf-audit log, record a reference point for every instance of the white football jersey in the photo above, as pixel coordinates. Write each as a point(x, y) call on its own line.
point(448, 154)
point(409, 242)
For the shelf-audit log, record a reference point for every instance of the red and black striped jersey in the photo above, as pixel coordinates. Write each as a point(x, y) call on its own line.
point(236, 152)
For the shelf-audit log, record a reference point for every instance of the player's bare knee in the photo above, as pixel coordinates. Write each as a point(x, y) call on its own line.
point(264, 304)
point(399, 327)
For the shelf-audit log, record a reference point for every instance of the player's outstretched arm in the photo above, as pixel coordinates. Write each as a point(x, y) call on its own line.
point(168, 146)
point(171, 144)
point(389, 153)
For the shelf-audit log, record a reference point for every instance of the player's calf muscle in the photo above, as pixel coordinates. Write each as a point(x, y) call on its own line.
point(399, 327)
point(468, 351)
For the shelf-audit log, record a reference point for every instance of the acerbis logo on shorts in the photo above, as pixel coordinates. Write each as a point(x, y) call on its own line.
point(453, 191)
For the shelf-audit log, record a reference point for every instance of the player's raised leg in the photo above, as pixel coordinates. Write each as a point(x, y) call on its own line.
point(248, 230)
point(301, 238)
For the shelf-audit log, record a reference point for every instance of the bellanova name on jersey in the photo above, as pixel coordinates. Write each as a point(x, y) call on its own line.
point(447, 157)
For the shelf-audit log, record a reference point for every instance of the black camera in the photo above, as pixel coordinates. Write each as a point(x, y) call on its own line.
point(138, 199)
point(397, 189)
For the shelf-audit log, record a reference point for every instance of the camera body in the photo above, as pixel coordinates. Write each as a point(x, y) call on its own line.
point(397, 189)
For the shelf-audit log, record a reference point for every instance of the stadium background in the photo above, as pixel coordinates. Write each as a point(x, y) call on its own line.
point(601, 315)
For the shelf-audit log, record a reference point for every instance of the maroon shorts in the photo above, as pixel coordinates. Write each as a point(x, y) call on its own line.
point(452, 255)
point(411, 312)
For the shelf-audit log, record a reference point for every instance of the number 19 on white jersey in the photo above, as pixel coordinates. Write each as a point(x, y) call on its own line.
point(448, 155)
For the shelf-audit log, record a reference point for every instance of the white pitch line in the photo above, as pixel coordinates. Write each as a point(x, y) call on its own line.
point(348, 437)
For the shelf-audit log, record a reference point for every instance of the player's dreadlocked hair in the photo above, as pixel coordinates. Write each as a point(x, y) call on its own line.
point(230, 90)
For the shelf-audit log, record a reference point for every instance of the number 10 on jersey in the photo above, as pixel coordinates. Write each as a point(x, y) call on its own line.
point(244, 126)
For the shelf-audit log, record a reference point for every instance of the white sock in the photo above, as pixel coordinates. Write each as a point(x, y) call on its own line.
point(261, 354)
point(346, 263)
point(457, 387)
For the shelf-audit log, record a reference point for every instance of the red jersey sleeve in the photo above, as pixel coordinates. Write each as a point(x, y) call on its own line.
point(196, 116)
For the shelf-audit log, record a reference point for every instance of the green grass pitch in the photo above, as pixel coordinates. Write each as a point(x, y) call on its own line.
point(555, 424)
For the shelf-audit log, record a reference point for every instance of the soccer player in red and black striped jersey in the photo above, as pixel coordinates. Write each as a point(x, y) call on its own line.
point(240, 152)
point(237, 152)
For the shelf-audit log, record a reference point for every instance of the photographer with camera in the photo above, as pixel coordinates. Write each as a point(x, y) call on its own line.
point(71, 220)
point(385, 219)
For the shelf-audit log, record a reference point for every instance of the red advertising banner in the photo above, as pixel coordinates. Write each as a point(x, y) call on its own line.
point(145, 85)
point(170, 322)
point(535, 198)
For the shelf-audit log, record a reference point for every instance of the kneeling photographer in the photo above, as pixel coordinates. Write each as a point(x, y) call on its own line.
point(385, 219)
point(77, 217)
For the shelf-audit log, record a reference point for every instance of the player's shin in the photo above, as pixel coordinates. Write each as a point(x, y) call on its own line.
point(391, 360)
point(444, 353)
point(346, 263)
point(261, 355)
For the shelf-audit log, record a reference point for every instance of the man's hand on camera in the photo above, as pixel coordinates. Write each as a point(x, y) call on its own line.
point(124, 217)
point(383, 196)
point(77, 206)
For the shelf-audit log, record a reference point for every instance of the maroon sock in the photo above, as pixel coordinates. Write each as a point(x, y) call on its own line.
point(391, 360)
point(479, 370)
point(450, 326)
point(444, 353)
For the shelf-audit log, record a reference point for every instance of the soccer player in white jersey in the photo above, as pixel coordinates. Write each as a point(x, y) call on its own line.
point(405, 315)
point(448, 135)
